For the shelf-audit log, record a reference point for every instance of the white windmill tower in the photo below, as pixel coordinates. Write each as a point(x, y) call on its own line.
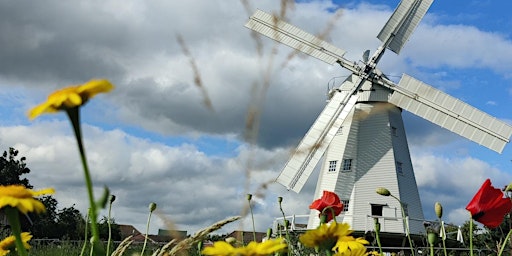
point(360, 132)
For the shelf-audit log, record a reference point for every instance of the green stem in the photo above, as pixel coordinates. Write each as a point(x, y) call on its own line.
point(444, 237)
point(253, 226)
point(147, 230)
point(74, 117)
point(377, 237)
point(471, 236)
point(405, 224)
point(14, 221)
point(431, 250)
point(86, 232)
point(505, 242)
point(109, 227)
point(285, 228)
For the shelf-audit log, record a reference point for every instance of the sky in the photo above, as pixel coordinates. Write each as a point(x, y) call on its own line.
point(201, 116)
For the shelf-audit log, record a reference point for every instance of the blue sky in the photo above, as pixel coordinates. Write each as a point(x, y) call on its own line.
point(153, 140)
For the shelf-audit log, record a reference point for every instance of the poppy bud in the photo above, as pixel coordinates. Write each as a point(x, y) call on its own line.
point(438, 209)
point(280, 199)
point(152, 207)
point(112, 198)
point(230, 240)
point(249, 197)
point(383, 191)
point(509, 187)
point(432, 238)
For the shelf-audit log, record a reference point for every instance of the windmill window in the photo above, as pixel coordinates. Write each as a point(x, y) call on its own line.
point(340, 131)
point(332, 166)
point(393, 131)
point(345, 205)
point(347, 164)
point(376, 209)
point(399, 168)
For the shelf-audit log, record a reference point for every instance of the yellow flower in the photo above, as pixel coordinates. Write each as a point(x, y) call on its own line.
point(349, 245)
point(17, 196)
point(268, 247)
point(70, 97)
point(219, 248)
point(264, 248)
point(334, 237)
point(8, 243)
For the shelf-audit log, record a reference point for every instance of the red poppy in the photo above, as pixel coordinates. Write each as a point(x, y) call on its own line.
point(328, 199)
point(489, 206)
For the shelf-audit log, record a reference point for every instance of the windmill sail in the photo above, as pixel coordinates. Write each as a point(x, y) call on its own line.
point(450, 113)
point(294, 37)
point(302, 162)
point(402, 23)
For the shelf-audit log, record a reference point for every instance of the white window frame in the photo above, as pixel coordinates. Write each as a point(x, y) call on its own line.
point(332, 166)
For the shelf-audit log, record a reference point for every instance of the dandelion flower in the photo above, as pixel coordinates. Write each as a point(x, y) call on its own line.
point(334, 237)
point(269, 247)
point(219, 248)
point(17, 196)
point(349, 245)
point(8, 243)
point(70, 97)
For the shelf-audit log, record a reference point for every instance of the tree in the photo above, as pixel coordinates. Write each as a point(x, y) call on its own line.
point(103, 228)
point(71, 224)
point(44, 225)
point(12, 168)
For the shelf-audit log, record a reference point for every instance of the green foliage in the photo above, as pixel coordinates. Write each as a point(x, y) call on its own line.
point(103, 228)
point(12, 168)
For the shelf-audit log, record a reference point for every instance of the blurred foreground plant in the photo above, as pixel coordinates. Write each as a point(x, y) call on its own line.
point(15, 199)
point(70, 99)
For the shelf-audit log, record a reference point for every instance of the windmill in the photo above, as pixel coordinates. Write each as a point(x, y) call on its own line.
point(360, 133)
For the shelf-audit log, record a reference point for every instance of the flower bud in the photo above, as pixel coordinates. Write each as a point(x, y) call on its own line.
point(438, 209)
point(432, 238)
point(383, 191)
point(249, 197)
point(230, 240)
point(152, 207)
point(509, 187)
point(112, 198)
point(280, 199)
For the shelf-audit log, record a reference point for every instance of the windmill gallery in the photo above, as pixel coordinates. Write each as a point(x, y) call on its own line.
point(360, 133)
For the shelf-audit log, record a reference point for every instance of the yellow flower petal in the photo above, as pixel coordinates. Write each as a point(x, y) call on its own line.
point(17, 196)
point(70, 97)
point(219, 248)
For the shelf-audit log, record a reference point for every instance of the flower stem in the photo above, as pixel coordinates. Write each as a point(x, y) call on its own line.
point(74, 117)
point(109, 228)
point(147, 230)
point(286, 228)
point(86, 232)
point(377, 237)
point(406, 224)
point(505, 242)
point(471, 236)
point(444, 237)
point(14, 221)
point(253, 226)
